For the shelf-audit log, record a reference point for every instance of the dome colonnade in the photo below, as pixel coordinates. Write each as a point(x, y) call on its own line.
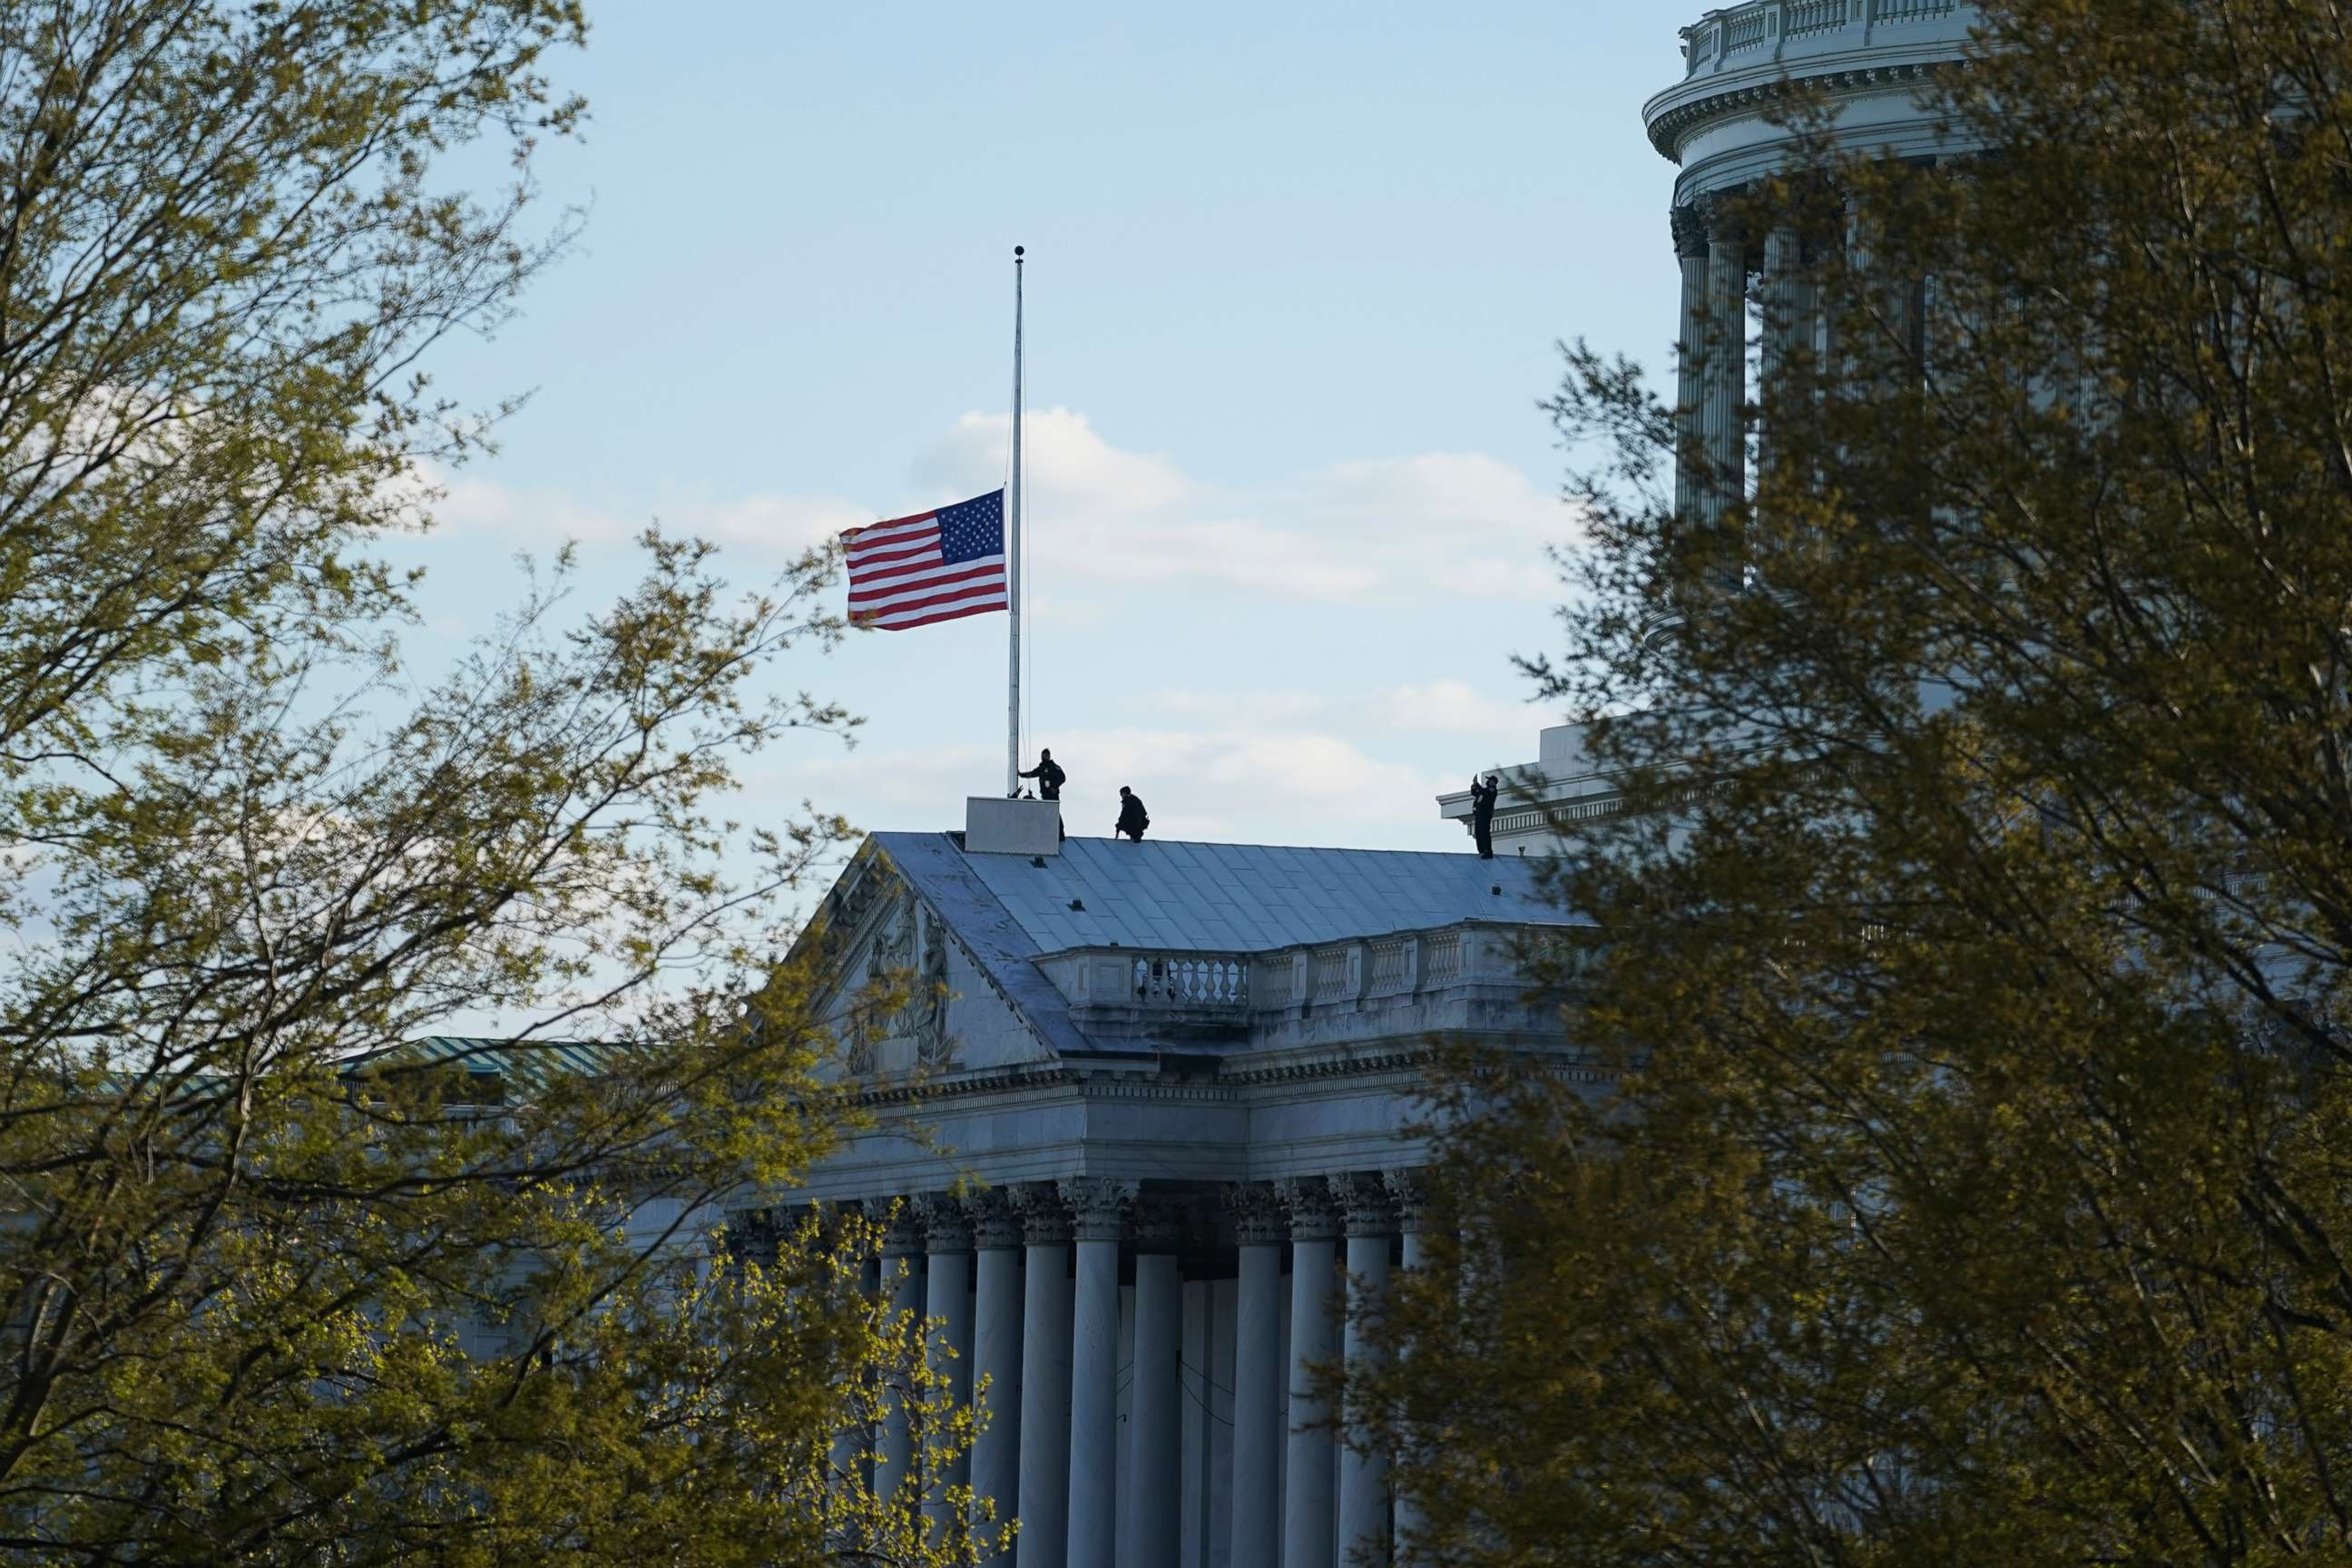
point(1870, 58)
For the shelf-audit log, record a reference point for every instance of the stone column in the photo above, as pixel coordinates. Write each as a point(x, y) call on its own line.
point(1788, 327)
point(1409, 1194)
point(1155, 1405)
point(1098, 1206)
point(902, 1277)
point(1045, 1490)
point(1364, 1466)
point(947, 1302)
point(1862, 263)
point(996, 1350)
point(1727, 369)
point(1690, 392)
point(1307, 1502)
point(1260, 1224)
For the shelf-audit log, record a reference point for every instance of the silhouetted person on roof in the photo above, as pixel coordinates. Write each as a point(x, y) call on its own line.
point(1132, 818)
point(1049, 774)
point(1482, 812)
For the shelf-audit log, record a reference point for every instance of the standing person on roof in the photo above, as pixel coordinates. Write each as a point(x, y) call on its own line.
point(1049, 774)
point(1050, 779)
point(1482, 812)
point(1132, 818)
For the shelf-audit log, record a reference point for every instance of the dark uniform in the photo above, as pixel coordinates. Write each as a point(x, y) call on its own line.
point(1482, 814)
point(1132, 818)
point(1049, 776)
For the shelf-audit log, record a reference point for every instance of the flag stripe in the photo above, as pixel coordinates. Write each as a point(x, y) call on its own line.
point(925, 522)
point(908, 577)
point(897, 553)
point(924, 601)
point(896, 570)
point(890, 624)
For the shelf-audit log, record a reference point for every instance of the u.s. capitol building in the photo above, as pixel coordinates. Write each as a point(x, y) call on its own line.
point(1186, 1073)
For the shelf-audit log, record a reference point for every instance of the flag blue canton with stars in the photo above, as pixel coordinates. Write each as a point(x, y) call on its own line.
point(970, 530)
point(933, 566)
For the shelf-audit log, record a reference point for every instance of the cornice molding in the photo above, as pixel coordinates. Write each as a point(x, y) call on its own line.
point(1233, 1077)
point(1671, 126)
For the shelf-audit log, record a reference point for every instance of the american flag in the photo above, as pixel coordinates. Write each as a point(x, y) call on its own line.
point(933, 566)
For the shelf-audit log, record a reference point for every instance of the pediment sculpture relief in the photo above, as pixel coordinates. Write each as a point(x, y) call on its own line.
point(928, 1013)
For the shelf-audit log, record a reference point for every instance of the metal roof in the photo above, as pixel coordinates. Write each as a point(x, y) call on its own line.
point(524, 1062)
point(1218, 898)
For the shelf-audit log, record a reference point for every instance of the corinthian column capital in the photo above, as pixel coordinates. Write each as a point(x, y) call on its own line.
point(944, 1222)
point(995, 1218)
point(1259, 1218)
point(1045, 1218)
point(1363, 1197)
point(1689, 222)
point(1313, 1215)
point(901, 1227)
point(1161, 1222)
point(1409, 1191)
point(1099, 1205)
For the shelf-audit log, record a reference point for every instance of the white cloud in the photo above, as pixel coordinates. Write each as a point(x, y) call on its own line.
point(1071, 470)
point(1266, 785)
point(767, 524)
point(1276, 766)
point(1452, 706)
point(1459, 524)
point(539, 518)
point(1446, 707)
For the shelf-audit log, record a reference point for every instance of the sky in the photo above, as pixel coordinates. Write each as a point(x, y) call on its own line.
point(1295, 278)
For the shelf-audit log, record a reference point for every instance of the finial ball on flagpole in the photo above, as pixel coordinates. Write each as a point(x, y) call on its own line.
point(1017, 251)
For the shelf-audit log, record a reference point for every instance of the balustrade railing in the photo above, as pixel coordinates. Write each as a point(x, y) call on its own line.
point(1746, 30)
point(1814, 16)
point(1220, 987)
point(1330, 973)
point(1192, 982)
point(1762, 24)
point(1441, 961)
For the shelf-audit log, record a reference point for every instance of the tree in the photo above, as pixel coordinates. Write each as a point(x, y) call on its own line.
point(279, 1288)
point(1977, 934)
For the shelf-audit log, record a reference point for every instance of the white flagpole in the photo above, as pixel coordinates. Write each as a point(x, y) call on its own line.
point(1013, 558)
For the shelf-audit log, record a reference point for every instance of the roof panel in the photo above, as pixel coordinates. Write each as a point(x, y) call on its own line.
point(1229, 897)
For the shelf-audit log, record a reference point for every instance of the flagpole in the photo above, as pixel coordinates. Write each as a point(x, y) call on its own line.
point(1013, 558)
